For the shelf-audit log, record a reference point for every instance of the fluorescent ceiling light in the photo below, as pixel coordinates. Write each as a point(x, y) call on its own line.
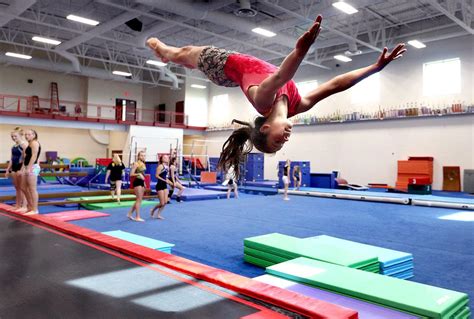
point(46, 40)
point(197, 86)
point(157, 63)
point(122, 73)
point(264, 32)
point(342, 58)
point(417, 44)
point(19, 56)
point(82, 20)
point(345, 7)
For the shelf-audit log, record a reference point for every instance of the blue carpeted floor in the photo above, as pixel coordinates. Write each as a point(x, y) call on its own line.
point(212, 231)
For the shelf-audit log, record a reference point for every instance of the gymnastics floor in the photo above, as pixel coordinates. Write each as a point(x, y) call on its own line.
point(212, 231)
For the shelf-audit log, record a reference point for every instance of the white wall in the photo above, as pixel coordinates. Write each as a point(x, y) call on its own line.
point(196, 105)
point(104, 92)
point(68, 142)
point(366, 152)
point(13, 81)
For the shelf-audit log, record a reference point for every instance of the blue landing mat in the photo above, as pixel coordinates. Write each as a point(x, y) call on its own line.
point(44, 189)
point(141, 240)
point(270, 184)
point(259, 190)
point(202, 194)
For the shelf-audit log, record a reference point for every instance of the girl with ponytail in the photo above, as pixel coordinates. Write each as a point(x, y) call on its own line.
point(268, 88)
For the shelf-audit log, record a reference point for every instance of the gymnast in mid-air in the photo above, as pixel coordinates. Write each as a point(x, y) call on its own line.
point(268, 88)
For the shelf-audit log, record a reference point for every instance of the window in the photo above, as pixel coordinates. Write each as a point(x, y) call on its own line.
point(442, 77)
point(367, 90)
point(307, 86)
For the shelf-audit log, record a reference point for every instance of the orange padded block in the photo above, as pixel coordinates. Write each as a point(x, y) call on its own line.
point(209, 177)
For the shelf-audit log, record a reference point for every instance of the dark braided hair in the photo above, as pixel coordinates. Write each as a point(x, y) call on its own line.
point(236, 148)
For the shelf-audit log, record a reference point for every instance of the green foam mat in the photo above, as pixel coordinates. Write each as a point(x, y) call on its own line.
point(116, 205)
point(292, 247)
point(257, 261)
point(264, 255)
point(412, 297)
point(387, 257)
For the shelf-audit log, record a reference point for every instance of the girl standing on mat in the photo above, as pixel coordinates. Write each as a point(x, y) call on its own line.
point(174, 177)
point(138, 171)
point(115, 171)
point(269, 89)
point(231, 183)
point(297, 177)
point(286, 179)
point(161, 186)
point(31, 170)
point(14, 168)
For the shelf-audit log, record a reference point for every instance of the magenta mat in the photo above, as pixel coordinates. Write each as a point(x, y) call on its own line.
point(75, 215)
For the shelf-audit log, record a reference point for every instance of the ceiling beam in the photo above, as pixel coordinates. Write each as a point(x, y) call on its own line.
point(14, 9)
point(324, 26)
point(450, 15)
point(245, 43)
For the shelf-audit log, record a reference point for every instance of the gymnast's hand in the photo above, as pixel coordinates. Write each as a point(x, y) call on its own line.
point(307, 39)
point(385, 58)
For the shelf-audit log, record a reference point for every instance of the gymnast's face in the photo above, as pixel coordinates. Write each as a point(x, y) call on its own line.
point(15, 137)
point(278, 132)
point(30, 135)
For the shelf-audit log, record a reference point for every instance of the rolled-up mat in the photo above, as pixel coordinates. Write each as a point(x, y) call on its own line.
point(291, 247)
point(415, 298)
point(365, 309)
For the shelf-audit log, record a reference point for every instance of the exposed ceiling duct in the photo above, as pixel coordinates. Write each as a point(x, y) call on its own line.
point(191, 11)
point(245, 10)
point(15, 9)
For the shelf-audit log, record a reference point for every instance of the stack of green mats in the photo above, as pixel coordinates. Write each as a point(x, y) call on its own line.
point(270, 249)
point(95, 206)
point(414, 298)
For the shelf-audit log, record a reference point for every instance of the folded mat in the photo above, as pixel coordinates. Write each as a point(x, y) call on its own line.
point(415, 298)
point(365, 309)
point(291, 247)
point(387, 257)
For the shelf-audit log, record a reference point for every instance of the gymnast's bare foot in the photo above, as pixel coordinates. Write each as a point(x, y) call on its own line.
point(159, 47)
point(31, 212)
point(138, 219)
point(160, 217)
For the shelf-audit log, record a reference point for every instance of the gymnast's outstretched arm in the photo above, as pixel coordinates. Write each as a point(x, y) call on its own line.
point(345, 81)
point(266, 91)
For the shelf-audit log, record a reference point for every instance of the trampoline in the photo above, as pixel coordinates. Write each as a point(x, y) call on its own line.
point(57, 275)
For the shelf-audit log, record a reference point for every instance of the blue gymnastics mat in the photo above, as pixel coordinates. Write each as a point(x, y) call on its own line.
point(141, 240)
point(269, 184)
point(43, 189)
point(191, 194)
